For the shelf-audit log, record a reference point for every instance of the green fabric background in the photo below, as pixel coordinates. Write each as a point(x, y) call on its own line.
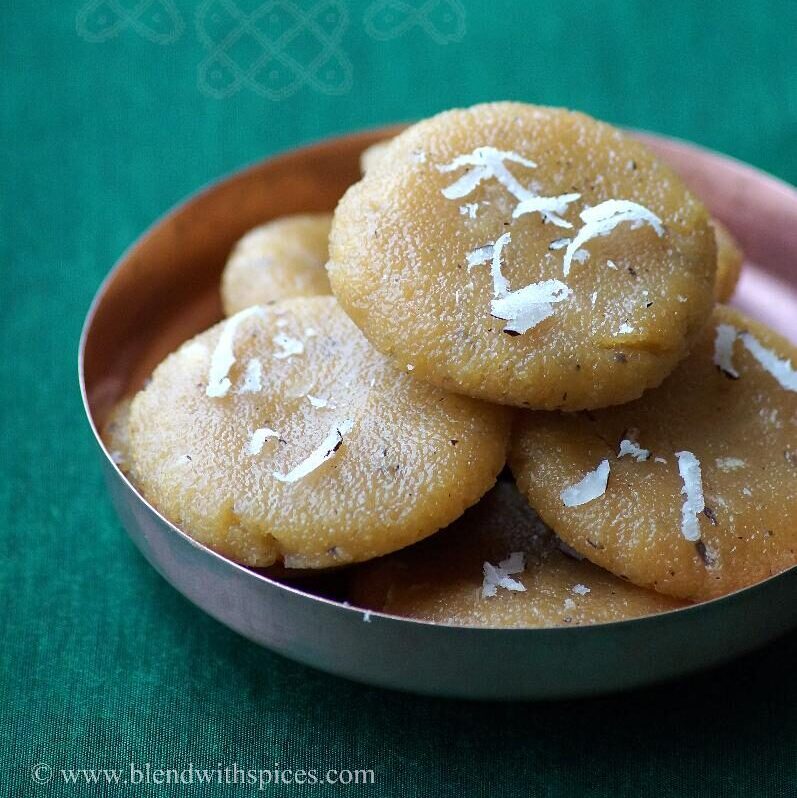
point(101, 661)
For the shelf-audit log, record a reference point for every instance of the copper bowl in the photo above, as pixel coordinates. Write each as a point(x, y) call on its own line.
point(165, 288)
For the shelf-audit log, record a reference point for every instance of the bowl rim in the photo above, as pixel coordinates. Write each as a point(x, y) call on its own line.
point(369, 136)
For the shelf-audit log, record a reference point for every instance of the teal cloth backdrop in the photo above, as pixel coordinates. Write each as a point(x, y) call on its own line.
point(112, 111)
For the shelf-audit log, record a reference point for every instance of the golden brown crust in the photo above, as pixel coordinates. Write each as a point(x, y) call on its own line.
point(116, 434)
point(280, 259)
point(441, 579)
point(729, 262)
point(399, 248)
point(414, 459)
point(744, 434)
point(372, 154)
point(729, 254)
